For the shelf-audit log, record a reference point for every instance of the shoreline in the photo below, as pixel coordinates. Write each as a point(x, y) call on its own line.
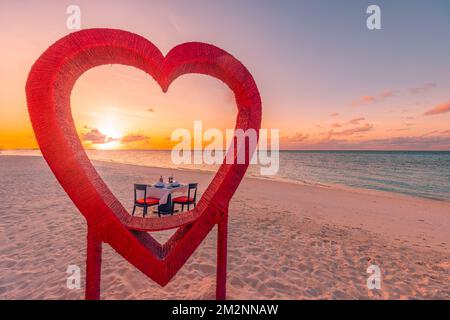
point(343, 187)
point(339, 192)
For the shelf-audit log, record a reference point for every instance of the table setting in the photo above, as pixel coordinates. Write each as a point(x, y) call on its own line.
point(164, 191)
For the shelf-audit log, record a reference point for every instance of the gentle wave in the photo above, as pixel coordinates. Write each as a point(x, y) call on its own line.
point(417, 173)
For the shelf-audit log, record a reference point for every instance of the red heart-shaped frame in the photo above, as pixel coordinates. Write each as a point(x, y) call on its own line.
point(48, 90)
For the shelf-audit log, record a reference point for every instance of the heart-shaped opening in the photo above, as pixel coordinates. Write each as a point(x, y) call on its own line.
point(125, 123)
point(49, 88)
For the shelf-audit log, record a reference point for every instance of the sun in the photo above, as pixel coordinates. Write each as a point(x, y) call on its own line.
point(113, 135)
point(110, 131)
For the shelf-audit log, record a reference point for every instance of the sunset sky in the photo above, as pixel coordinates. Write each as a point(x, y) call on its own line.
point(326, 81)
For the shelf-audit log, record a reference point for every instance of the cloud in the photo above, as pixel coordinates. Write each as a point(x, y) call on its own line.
point(151, 110)
point(336, 125)
point(298, 137)
point(440, 108)
point(439, 140)
point(334, 114)
point(353, 139)
point(371, 99)
point(130, 138)
point(357, 120)
point(423, 88)
point(352, 131)
point(94, 136)
point(399, 129)
point(437, 133)
point(364, 100)
point(367, 100)
point(386, 94)
point(424, 142)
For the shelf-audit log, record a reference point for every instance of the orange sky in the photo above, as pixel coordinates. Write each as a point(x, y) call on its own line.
point(321, 94)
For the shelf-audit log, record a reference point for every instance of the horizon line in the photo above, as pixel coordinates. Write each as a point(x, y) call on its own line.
point(281, 150)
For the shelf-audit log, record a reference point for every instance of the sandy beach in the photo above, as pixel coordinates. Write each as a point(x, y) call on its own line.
point(286, 241)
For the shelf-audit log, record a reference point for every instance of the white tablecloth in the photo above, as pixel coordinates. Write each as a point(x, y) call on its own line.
point(163, 193)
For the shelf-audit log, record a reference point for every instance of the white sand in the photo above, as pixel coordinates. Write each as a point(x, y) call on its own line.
point(286, 241)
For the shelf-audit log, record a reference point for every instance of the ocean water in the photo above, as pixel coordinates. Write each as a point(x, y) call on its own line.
point(417, 173)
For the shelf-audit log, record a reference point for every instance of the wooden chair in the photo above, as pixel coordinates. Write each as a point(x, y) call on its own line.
point(187, 200)
point(142, 201)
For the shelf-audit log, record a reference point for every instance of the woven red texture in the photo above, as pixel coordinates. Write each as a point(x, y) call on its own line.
point(48, 90)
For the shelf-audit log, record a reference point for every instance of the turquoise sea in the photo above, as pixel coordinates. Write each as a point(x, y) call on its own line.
point(418, 173)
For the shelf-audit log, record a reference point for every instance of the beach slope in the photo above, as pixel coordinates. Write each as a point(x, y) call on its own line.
point(286, 241)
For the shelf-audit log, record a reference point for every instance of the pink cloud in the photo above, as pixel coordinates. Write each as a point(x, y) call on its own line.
point(441, 108)
point(438, 133)
point(336, 125)
point(352, 131)
point(357, 120)
point(400, 129)
point(367, 100)
point(94, 136)
point(423, 88)
point(438, 141)
point(134, 138)
point(364, 100)
point(298, 137)
point(386, 94)
point(334, 114)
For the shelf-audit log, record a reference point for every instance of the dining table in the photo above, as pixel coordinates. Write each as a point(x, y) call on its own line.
point(164, 194)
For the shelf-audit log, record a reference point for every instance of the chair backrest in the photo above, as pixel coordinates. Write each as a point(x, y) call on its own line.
point(192, 186)
point(142, 189)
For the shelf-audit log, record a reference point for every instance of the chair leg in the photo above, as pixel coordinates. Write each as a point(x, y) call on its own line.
point(182, 207)
point(134, 209)
point(188, 205)
point(145, 211)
